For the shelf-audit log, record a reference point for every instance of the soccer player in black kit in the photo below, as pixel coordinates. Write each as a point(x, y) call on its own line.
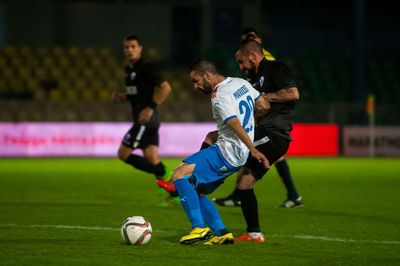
point(272, 136)
point(141, 80)
point(293, 199)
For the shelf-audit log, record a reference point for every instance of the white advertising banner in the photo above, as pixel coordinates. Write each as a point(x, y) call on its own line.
point(356, 141)
point(93, 139)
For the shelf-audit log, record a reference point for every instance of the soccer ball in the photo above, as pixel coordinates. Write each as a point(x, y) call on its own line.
point(136, 230)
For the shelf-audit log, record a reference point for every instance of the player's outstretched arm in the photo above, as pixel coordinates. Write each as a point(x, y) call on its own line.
point(283, 95)
point(234, 123)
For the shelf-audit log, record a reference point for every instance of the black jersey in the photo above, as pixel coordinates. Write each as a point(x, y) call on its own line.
point(140, 81)
point(273, 76)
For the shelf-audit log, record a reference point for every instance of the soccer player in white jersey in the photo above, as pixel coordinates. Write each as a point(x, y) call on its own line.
point(235, 106)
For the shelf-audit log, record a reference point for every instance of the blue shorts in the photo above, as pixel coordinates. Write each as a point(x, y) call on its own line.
point(211, 169)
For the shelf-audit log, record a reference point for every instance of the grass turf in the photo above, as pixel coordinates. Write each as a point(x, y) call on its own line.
point(69, 211)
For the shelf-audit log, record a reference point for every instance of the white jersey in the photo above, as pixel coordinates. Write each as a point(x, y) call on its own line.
point(234, 97)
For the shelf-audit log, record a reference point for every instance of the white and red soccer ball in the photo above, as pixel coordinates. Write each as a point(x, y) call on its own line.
point(136, 230)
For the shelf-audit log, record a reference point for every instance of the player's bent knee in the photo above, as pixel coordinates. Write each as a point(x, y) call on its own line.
point(123, 153)
point(182, 170)
point(176, 174)
point(246, 181)
point(244, 186)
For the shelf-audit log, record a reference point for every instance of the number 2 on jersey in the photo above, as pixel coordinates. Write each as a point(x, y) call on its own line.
point(247, 108)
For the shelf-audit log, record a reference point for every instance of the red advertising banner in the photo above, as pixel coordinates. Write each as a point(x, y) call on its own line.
point(314, 140)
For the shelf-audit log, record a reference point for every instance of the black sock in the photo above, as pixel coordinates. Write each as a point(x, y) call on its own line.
point(235, 194)
point(159, 169)
point(284, 173)
point(143, 164)
point(250, 209)
point(204, 145)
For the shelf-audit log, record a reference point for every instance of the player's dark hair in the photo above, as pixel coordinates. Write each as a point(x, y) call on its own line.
point(250, 36)
point(246, 46)
point(248, 30)
point(201, 66)
point(133, 38)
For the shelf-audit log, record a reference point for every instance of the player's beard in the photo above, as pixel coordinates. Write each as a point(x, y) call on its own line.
point(206, 88)
point(251, 71)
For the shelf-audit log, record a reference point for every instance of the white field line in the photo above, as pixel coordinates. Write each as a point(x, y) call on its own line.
point(323, 238)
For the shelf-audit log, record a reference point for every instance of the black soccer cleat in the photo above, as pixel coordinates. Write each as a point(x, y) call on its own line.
point(292, 203)
point(229, 201)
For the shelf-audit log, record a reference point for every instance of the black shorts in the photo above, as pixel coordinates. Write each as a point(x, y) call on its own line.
point(141, 136)
point(273, 147)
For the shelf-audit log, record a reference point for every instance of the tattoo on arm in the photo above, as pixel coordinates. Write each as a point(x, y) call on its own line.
point(283, 95)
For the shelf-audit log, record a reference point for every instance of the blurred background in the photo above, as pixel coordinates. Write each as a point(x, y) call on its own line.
point(59, 60)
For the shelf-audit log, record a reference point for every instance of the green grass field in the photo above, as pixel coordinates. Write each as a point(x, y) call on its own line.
point(69, 211)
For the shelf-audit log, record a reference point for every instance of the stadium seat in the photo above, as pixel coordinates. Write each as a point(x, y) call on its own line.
point(71, 95)
point(89, 52)
point(105, 52)
point(8, 73)
point(88, 74)
point(55, 95)
point(152, 54)
point(80, 63)
point(57, 51)
point(64, 62)
point(16, 86)
point(65, 84)
point(88, 95)
point(42, 52)
point(104, 95)
point(113, 85)
point(3, 61)
point(39, 95)
point(96, 63)
point(3, 86)
point(56, 74)
point(73, 51)
point(26, 52)
point(72, 74)
point(10, 51)
point(96, 84)
point(39, 73)
point(48, 62)
point(16, 61)
point(32, 85)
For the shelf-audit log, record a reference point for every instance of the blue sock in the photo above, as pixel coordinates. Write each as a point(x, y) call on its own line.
point(190, 202)
point(211, 216)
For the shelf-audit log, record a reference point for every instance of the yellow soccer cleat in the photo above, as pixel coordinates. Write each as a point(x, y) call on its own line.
point(221, 240)
point(197, 234)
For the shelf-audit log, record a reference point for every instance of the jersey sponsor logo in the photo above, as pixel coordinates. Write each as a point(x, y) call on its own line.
point(214, 92)
point(133, 75)
point(131, 90)
point(240, 92)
